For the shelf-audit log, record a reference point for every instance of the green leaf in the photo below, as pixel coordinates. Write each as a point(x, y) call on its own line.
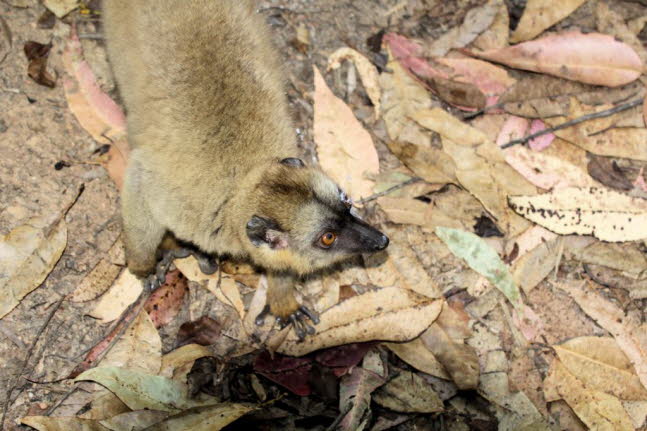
point(141, 391)
point(482, 259)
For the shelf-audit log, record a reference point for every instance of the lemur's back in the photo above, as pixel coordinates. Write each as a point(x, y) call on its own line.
point(199, 76)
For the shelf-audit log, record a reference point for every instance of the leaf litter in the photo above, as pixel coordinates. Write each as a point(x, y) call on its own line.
point(397, 305)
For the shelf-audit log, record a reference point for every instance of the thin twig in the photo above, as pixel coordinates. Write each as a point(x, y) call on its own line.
point(470, 115)
point(389, 190)
point(28, 356)
point(583, 118)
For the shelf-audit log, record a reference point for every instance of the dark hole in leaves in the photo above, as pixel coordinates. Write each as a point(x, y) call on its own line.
point(61, 164)
point(374, 42)
point(47, 20)
point(486, 228)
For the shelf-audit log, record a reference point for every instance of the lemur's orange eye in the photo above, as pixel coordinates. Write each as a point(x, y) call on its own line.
point(327, 239)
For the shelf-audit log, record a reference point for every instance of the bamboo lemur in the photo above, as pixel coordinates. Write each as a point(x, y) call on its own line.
point(214, 159)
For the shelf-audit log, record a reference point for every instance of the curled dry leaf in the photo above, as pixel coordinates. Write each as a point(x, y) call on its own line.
point(138, 349)
point(227, 292)
point(345, 149)
point(591, 58)
point(597, 409)
point(114, 302)
point(410, 393)
point(27, 255)
point(497, 35)
point(367, 71)
point(539, 15)
point(628, 335)
point(603, 213)
point(37, 54)
point(389, 314)
point(180, 356)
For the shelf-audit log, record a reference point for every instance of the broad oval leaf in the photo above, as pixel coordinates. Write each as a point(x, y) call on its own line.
point(591, 58)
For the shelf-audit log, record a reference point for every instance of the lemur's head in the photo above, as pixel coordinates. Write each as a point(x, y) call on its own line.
point(305, 222)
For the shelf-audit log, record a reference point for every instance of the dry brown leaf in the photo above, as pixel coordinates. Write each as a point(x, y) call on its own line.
point(600, 364)
point(139, 348)
point(416, 354)
point(96, 282)
point(627, 258)
point(367, 71)
point(114, 302)
point(27, 255)
point(497, 35)
point(480, 166)
point(600, 136)
point(459, 360)
point(592, 58)
point(104, 406)
point(598, 410)
point(611, 318)
point(612, 23)
point(389, 314)
point(410, 393)
point(603, 213)
point(345, 149)
point(60, 8)
point(405, 211)
point(539, 15)
point(476, 21)
point(137, 420)
point(180, 356)
point(401, 269)
point(227, 292)
point(52, 423)
point(532, 267)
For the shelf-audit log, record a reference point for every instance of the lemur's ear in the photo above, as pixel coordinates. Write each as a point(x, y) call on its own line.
point(294, 162)
point(262, 230)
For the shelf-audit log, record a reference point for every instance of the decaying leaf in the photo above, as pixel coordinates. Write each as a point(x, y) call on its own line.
point(96, 282)
point(627, 258)
point(628, 335)
point(345, 149)
point(539, 15)
point(591, 58)
point(37, 54)
point(410, 393)
point(123, 292)
point(60, 8)
point(597, 409)
point(389, 314)
point(535, 265)
point(137, 420)
point(165, 302)
point(367, 71)
point(143, 391)
point(603, 213)
point(27, 255)
point(497, 35)
point(601, 365)
point(227, 292)
point(180, 356)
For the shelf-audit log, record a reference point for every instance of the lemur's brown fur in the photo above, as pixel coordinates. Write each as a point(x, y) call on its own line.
point(209, 128)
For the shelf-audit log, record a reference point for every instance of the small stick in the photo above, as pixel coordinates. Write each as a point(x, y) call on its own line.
point(389, 190)
point(583, 118)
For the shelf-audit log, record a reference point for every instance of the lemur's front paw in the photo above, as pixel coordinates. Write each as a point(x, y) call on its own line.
point(299, 319)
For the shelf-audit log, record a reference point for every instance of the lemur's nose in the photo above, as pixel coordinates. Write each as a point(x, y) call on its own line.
point(382, 243)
